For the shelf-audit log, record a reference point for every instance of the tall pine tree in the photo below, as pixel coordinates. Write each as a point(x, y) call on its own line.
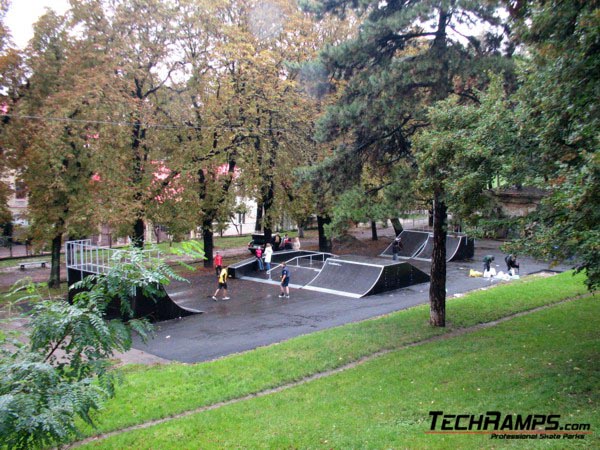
point(407, 55)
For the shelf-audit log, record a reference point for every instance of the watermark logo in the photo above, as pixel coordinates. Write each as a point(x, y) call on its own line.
point(507, 426)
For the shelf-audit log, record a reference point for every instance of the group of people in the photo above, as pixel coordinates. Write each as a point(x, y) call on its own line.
point(510, 260)
point(285, 243)
point(264, 260)
point(263, 257)
point(223, 273)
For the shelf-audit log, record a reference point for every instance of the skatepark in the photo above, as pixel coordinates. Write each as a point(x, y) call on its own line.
point(255, 316)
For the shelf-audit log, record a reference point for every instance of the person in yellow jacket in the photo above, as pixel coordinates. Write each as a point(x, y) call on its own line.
point(222, 284)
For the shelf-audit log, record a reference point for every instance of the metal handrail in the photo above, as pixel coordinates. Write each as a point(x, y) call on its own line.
point(320, 255)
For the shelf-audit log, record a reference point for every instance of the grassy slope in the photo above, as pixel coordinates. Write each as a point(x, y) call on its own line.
point(544, 363)
point(155, 392)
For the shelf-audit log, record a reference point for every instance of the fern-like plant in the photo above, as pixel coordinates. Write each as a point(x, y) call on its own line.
point(64, 370)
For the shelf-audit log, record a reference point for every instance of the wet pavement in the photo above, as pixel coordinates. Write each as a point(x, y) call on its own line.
point(255, 316)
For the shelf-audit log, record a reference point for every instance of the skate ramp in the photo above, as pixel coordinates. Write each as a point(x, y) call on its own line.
point(358, 276)
point(458, 247)
point(464, 249)
point(412, 242)
point(169, 303)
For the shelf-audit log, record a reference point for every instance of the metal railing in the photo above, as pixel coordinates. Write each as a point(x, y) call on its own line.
point(310, 259)
point(83, 256)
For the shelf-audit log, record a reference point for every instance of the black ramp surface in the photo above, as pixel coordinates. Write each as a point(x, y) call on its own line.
point(164, 307)
point(412, 242)
point(457, 248)
point(453, 244)
point(427, 250)
point(399, 275)
point(346, 278)
point(465, 250)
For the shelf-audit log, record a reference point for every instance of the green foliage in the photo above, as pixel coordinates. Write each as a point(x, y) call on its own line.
point(465, 147)
point(558, 116)
point(351, 208)
point(192, 249)
point(63, 371)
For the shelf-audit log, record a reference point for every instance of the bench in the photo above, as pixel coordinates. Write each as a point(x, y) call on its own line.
point(42, 264)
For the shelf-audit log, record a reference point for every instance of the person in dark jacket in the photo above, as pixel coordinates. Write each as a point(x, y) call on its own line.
point(396, 247)
point(487, 262)
point(511, 262)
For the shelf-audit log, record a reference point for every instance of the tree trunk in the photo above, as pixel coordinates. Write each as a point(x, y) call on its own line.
point(207, 237)
point(397, 226)
point(437, 287)
point(373, 230)
point(267, 202)
point(138, 233)
point(324, 242)
point(259, 217)
point(54, 280)
point(300, 231)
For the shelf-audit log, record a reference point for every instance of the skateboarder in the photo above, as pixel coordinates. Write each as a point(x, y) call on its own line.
point(222, 284)
point(511, 262)
point(396, 247)
point(285, 281)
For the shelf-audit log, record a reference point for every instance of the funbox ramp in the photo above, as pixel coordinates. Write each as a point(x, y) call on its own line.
point(412, 243)
point(161, 307)
point(357, 276)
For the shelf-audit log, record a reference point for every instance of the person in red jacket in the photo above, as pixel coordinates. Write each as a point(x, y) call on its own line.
point(218, 263)
point(258, 254)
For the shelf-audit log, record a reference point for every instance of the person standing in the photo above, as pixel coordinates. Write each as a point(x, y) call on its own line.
point(222, 284)
point(268, 256)
point(396, 247)
point(285, 281)
point(218, 263)
point(259, 261)
point(296, 244)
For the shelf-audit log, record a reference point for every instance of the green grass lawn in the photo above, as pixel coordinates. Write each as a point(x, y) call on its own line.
point(155, 392)
point(543, 363)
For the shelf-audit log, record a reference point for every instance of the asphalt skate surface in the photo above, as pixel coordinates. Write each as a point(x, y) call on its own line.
point(255, 316)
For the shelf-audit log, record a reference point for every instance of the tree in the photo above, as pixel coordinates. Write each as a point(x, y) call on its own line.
point(406, 56)
point(64, 372)
point(53, 154)
point(10, 77)
point(558, 117)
